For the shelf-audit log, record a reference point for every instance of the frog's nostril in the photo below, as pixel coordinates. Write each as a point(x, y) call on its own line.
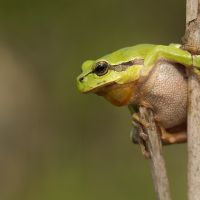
point(81, 79)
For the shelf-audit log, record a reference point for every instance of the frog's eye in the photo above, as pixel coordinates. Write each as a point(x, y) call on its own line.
point(101, 68)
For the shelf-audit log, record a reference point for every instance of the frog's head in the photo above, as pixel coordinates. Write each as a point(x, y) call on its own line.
point(111, 77)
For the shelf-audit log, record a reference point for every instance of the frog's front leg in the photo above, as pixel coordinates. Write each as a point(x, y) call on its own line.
point(173, 54)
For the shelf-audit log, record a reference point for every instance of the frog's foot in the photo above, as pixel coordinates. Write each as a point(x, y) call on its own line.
point(137, 119)
point(195, 68)
point(139, 136)
point(170, 138)
point(191, 70)
point(144, 150)
point(136, 134)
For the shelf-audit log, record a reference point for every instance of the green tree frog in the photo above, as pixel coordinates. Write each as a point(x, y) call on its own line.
point(150, 75)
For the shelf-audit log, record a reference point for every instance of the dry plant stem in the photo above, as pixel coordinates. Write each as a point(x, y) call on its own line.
point(193, 138)
point(156, 160)
point(191, 42)
point(191, 39)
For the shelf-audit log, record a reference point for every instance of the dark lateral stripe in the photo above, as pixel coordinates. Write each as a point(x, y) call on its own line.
point(81, 79)
point(124, 66)
point(121, 67)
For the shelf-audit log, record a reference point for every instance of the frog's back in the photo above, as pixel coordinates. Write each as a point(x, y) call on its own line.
point(128, 53)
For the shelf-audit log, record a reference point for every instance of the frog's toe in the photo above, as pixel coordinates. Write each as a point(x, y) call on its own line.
point(196, 71)
point(170, 138)
point(138, 120)
point(144, 136)
point(144, 150)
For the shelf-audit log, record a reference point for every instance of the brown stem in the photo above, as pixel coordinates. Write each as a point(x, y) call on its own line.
point(191, 42)
point(156, 160)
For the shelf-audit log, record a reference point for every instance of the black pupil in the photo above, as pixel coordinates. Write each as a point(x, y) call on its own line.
point(100, 68)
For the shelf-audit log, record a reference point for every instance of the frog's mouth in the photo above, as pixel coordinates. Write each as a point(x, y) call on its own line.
point(100, 89)
point(116, 94)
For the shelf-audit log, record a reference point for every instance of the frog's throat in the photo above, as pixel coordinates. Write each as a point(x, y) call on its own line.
point(118, 94)
point(133, 92)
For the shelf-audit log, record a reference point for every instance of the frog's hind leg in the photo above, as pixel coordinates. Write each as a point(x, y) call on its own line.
point(180, 136)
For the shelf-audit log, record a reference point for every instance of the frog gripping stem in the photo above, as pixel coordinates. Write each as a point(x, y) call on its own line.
point(156, 160)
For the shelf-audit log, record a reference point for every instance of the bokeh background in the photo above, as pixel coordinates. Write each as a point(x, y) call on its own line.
point(54, 142)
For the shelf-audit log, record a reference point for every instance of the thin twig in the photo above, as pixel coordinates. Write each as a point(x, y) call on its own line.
point(156, 160)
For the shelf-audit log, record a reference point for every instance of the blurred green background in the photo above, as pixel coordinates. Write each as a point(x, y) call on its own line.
point(54, 142)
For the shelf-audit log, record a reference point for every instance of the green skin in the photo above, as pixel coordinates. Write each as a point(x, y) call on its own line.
point(150, 53)
point(123, 75)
